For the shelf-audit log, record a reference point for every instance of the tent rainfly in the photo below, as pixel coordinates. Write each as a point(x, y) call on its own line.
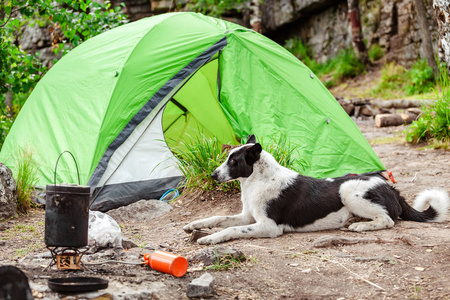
point(123, 99)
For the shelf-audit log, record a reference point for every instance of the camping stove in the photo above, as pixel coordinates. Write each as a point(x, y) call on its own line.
point(66, 224)
point(66, 258)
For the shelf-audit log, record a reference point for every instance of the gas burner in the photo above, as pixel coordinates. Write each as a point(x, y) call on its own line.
point(66, 258)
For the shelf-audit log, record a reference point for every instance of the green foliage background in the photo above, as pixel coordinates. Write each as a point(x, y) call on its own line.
point(69, 23)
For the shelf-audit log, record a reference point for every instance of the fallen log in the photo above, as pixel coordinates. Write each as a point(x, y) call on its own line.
point(384, 120)
point(401, 103)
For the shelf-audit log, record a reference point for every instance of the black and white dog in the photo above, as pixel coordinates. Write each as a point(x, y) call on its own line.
point(276, 200)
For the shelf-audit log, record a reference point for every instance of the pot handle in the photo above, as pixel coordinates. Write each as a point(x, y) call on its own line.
point(56, 166)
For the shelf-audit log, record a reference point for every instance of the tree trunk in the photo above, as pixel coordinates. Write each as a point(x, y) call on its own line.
point(442, 16)
point(255, 15)
point(357, 37)
point(9, 103)
point(426, 36)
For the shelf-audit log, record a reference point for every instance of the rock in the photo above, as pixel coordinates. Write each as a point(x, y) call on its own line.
point(130, 256)
point(150, 247)
point(201, 287)
point(164, 246)
point(8, 193)
point(210, 256)
point(140, 211)
point(38, 196)
point(101, 255)
point(36, 37)
point(128, 244)
point(347, 105)
point(2, 243)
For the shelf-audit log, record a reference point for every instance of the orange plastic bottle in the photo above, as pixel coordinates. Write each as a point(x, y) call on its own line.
point(166, 262)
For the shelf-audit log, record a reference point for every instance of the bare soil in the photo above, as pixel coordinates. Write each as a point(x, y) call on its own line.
point(409, 261)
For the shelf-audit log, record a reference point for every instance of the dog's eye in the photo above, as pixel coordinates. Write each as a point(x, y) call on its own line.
point(232, 161)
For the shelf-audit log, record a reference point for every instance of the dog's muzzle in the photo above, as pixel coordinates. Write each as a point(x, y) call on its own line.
point(215, 175)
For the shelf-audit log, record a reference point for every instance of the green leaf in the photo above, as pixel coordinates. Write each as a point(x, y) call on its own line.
point(8, 9)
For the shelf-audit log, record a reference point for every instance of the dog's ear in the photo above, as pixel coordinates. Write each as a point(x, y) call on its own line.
point(252, 154)
point(251, 139)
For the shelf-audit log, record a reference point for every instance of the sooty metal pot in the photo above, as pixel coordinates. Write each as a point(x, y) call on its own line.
point(66, 215)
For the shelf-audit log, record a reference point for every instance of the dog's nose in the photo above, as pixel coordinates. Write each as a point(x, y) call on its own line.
point(215, 175)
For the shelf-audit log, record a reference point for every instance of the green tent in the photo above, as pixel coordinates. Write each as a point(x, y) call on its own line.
point(119, 99)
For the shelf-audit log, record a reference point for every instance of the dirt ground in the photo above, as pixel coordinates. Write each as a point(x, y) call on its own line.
point(410, 261)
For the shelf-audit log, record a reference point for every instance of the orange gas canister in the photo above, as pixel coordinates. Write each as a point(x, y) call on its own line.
point(166, 262)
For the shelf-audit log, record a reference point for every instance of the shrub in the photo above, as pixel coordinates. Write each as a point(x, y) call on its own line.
point(397, 81)
point(302, 52)
point(346, 65)
point(285, 153)
point(375, 52)
point(5, 126)
point(392, 80)
point(26, 178)
point(434, 124)
point(343, 66)
point(420, 78)
point(197, 159)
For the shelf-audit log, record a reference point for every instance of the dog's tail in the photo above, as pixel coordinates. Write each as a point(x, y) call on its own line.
point(438, 202)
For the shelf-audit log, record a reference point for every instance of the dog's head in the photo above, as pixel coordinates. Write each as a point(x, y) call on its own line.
point(239, 162)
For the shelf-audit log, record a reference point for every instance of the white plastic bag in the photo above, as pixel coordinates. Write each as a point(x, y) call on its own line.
point(104, 231)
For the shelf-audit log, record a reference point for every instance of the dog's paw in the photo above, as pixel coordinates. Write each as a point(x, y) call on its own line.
point(361, 226)
point(205, 240)
point(189, 228)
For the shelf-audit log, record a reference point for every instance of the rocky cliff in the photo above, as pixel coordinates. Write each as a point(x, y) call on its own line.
point(322, 24)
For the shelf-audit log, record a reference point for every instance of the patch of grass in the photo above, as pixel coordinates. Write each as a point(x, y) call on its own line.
point(26, 178)
point(25, 228)
point(433, 126)
point(416, 292)
point(420, 79)
point(302, 52)
point(392, 80)
point(344, 65)
point(29, 249)
point(440, 144)
point(21, 252)
point(375, 52)
point(388, 140)
point(396, 81)
point(286, 153)
point(226, 263)
point(198, 158)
